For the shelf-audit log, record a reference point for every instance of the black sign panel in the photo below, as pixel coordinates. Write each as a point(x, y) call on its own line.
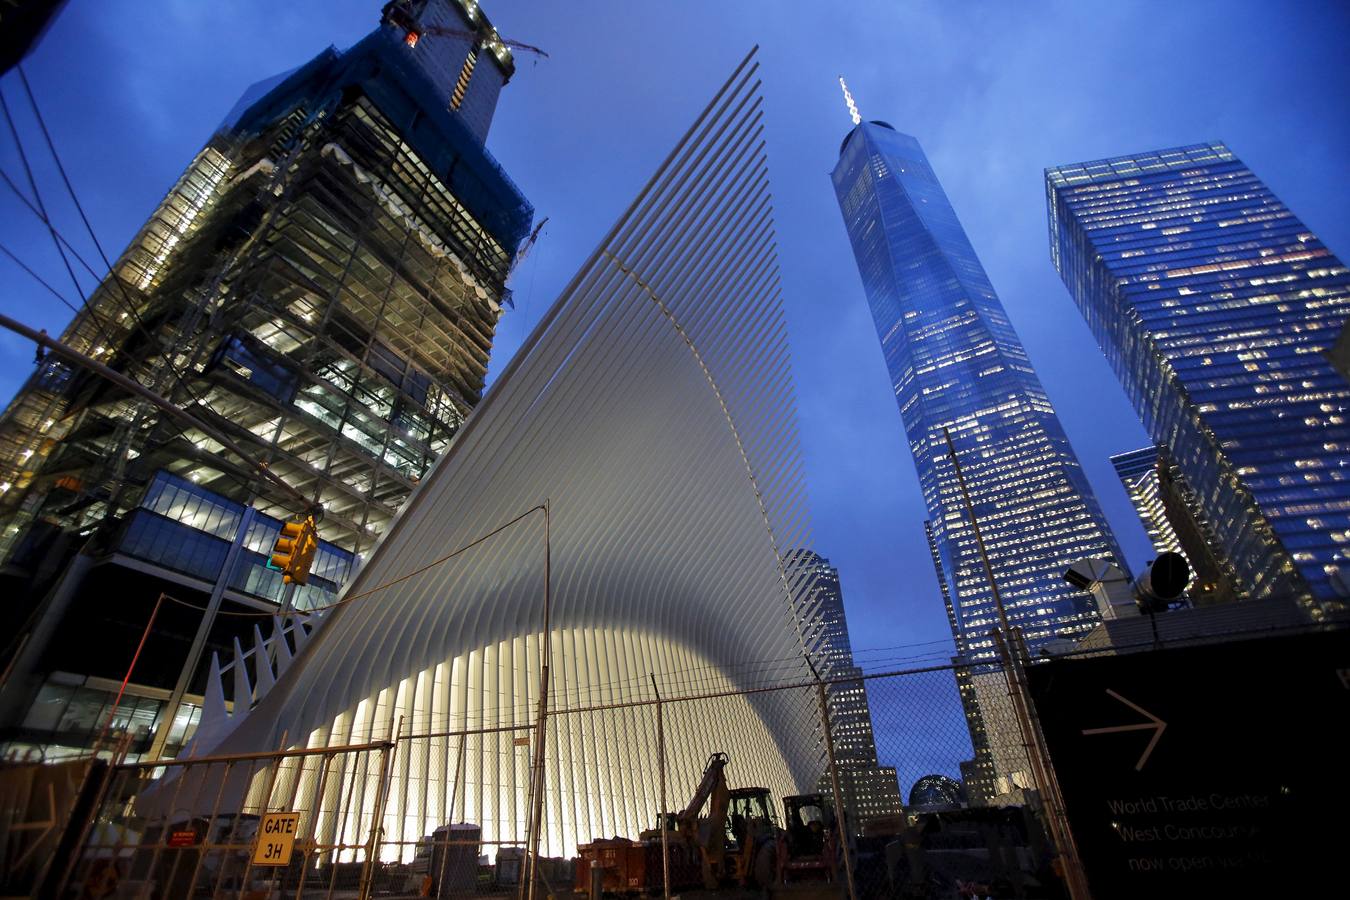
point(1219, 770)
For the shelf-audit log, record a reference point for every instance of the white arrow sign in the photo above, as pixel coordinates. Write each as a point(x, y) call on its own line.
point(1153, 722)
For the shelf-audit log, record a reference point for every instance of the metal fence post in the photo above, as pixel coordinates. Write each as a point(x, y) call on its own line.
point(536, 797)
point(377, 812)
point(1031, 738)
point(661, 769)
point(834, 782)
point(1012, 652)
point(63, 884)
point(265, 805)
point(597, 882)
point(537, 776)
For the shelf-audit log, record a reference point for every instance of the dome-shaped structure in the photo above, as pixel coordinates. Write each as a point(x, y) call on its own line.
point(936, 792)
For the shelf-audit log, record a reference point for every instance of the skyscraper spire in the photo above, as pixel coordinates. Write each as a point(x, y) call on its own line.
point(848, 98)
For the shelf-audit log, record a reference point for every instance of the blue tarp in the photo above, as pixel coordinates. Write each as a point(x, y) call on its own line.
point(379, 67)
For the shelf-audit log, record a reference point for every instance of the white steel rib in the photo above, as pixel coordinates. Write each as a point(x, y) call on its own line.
point(652, 408)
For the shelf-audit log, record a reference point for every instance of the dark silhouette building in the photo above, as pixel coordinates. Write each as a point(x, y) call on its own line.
point(870, 789)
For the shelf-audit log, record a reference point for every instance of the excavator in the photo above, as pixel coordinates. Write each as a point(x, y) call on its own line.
point(738, 840)
point(708, 833)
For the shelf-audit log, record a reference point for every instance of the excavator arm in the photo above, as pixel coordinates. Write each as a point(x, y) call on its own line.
point(714, 776)
point(708, 833)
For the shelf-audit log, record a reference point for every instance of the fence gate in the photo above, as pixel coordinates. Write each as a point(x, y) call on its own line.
point(295, 822)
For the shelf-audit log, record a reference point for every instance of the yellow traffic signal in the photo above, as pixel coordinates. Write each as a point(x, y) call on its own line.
point(293, 553)
point(303, 557)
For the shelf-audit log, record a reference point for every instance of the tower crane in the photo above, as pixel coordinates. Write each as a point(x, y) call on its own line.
point(400, 15)
point(525, 248)
point(415, 33)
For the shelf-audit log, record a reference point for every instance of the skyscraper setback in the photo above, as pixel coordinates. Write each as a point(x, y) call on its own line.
point(1174, 520)
point(1138, 474)
point(1216, 307)
point(957, 367)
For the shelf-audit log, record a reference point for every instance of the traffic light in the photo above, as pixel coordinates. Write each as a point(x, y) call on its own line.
point(293, 553)
point(304, 558)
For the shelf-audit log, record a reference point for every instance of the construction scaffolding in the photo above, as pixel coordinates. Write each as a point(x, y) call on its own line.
point(320, 286)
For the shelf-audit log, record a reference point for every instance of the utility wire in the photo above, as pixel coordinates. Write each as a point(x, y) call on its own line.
point(93, 236)
point(37, 196)
point(98, 319)
point(51, 145)
point(70, 248)
point(40, 280)
point(40, 210)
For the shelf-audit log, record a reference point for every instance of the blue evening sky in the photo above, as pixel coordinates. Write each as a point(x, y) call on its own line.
point(995, 92)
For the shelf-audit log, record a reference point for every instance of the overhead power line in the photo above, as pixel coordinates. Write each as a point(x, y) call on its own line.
point(99, 320)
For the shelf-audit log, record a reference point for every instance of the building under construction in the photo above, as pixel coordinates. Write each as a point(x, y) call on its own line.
point(320, 287)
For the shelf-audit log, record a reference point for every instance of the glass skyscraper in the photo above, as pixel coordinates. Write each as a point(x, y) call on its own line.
point(1138, 473)
point(870, 789)
point(322, 286)
point(958, 368)
point(1216, 308)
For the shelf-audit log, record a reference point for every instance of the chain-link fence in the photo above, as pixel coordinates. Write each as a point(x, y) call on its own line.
point(921, 783)
point(455, 820)
point(287, 822)
point(953, 802)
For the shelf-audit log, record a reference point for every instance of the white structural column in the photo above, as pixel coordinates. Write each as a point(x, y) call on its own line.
point(652, 407)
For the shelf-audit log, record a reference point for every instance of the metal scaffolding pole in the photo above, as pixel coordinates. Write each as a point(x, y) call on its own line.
point(661, 770)
point(194, 656)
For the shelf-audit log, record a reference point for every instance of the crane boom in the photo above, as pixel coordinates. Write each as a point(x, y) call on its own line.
point(443, 31)
point(713, 778)
point(526, 247)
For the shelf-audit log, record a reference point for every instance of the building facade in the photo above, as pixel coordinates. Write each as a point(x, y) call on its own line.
point(958, 369)
point(977, 773)
point(1216, 308)
point(870, 789)
point(626, 495)
point(1172, 516)
point(1138, 474)
point(321, 286)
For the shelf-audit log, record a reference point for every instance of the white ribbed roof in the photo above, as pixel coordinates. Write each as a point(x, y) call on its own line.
point(652, 408)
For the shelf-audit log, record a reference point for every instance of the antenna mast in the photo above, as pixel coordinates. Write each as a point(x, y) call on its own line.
point(848, 98)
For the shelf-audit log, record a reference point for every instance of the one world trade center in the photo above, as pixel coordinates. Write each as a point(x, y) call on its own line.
point(958, 368)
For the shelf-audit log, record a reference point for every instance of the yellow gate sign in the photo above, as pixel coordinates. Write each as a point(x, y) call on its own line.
point(276, 839)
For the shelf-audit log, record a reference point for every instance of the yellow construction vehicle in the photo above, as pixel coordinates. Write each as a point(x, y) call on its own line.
point(738, 840)
point(708, 833)
point(757, 840)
